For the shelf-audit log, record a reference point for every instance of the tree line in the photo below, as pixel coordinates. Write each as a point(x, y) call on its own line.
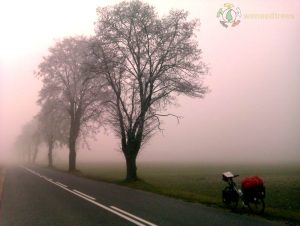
point(125, 76)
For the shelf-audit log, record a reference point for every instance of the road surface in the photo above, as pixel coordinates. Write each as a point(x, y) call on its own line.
point(39, 196)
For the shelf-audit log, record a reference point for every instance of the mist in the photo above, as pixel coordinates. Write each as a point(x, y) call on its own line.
point(251, 113)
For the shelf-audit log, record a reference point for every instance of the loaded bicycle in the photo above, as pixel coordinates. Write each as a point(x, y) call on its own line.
point(252, 193)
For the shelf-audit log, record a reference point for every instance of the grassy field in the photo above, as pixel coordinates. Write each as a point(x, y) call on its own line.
point(203, 183)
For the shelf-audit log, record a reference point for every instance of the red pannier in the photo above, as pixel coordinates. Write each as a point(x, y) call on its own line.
point(253, 181)
point(253, 187)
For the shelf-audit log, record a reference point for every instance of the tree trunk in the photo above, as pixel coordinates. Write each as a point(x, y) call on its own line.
point(36, 150)
point(131, 150)
point(72, 154)
point(74, 131)
point(29, 158)
point(131, 173)
point(50, 154)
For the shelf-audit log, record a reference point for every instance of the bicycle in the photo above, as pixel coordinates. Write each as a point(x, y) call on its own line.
point(251, 194)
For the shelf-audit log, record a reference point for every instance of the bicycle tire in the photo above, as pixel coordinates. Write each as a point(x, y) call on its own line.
point(257, 205)
point(230, 198)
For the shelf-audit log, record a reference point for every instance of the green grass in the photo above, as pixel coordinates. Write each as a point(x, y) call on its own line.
point(203, 183)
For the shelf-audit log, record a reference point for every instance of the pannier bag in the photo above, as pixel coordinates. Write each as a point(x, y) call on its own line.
point(253, 181)
point(253, 187)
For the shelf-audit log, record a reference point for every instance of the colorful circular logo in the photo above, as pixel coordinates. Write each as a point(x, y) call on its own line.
point(229, 15)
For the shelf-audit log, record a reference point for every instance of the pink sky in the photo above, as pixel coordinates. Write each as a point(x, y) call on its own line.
point(251, 113)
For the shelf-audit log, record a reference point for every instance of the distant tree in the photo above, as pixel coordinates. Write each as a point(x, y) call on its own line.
point(36, 141)
point(67, 81)
point(148, 61)
point(53, 126)
point(28, 142)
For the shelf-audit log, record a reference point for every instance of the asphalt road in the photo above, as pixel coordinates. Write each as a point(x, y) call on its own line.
point(39, 196)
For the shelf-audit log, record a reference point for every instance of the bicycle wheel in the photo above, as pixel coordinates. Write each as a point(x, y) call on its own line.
point(257, 205)
point(230, 198)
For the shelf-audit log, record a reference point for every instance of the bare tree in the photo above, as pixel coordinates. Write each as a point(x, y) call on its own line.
point(53, 126)
point(78, 90)
point(35, 144)
point(148, 61)
point(28, 142)
point(49, 126)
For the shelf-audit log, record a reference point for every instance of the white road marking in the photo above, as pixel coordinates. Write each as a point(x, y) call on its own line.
point(90, 197)
point(133, 216)
point(84, 196)
point(61, 184)
point(100, 205)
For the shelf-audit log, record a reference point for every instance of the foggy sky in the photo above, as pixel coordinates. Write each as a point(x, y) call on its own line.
point(252, 112)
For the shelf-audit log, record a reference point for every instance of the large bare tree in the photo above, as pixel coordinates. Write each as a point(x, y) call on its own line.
point(67, 81)
point(148, 61)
